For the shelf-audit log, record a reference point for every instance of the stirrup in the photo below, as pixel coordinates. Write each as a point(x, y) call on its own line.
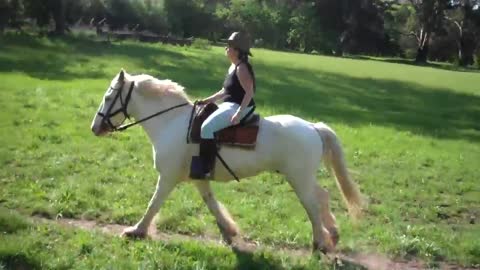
point(196, 168)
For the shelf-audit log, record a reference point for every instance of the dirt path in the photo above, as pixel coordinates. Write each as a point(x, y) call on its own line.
point(355, 260)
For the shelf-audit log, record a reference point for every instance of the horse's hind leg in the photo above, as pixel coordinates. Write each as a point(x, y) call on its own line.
point(306, 188)
point(327, 216)
point(227, 226)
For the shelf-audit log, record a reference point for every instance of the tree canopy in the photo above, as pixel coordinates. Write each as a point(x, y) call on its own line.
point(446, 30)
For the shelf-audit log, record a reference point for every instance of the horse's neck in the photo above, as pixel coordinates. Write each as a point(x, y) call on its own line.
point(163, 124)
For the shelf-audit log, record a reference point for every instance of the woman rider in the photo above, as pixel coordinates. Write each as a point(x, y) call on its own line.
point(237, 95)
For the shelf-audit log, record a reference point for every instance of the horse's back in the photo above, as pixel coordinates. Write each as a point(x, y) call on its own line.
point(283, 141)
point(289, 126)
point(290, 135)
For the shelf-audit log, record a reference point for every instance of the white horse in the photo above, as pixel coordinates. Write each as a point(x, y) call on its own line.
point(285, 144)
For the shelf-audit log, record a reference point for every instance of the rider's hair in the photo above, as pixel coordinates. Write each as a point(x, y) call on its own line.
point(243, 56)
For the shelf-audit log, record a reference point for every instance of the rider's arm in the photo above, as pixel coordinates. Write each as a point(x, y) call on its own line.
point(246, 81)
point(216, 97)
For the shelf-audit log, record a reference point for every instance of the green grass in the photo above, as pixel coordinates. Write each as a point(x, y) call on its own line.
point(47, 246)
point(411, 136)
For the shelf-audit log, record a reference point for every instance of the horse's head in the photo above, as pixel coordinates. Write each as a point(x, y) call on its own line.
point(112, 111)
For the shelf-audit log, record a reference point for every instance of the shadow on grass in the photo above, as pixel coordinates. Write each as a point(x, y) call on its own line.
point(361, 101)
point(331, 97)
point(335, 98)
point(50, 59)
point(18, 262)
point(411, 62)
point(249, 259)
point(449, 67)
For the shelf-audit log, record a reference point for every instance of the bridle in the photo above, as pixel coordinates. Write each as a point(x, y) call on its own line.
point(123, 109)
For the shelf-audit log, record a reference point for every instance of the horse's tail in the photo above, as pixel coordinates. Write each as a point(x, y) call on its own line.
point(334, 158)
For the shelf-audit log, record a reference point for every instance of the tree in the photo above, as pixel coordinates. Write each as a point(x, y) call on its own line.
point(62, 12)
point(303, 30)
point(95, 11)
point(354, 26)
point(429, 15)
point(365, 27)
point(121, 13)
point(465, 19)
point(58, 9)
point(188, 18)
point(11, 12)
point(259, 18)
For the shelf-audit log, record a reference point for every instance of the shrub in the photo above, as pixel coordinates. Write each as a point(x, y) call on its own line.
point(202, 44)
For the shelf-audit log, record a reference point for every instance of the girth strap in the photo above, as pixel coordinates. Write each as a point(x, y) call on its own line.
point(226, 166)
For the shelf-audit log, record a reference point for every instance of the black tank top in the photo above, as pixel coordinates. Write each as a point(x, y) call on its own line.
point(234, 89)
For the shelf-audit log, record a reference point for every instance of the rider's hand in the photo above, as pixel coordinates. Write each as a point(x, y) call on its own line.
point(235, 118)
point(202, 101)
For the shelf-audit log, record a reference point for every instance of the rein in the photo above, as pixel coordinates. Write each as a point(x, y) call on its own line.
point(124, 127)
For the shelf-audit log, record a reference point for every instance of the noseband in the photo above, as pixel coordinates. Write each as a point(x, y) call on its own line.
point(123, 109)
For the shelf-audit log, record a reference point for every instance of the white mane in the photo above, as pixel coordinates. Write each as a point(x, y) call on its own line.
point(151, 86)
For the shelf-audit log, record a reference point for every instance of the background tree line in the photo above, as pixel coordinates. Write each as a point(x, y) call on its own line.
point(443, 30)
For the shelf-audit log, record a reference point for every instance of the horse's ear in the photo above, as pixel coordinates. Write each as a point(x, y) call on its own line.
point(121, 76)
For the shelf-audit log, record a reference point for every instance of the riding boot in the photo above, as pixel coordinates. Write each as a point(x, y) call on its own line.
point(208, 149)
point(203, 164)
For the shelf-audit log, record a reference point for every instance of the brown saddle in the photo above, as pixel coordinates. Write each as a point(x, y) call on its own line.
point(242, 135)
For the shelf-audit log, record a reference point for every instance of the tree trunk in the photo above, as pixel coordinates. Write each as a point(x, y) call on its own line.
point(59, 16)
point(423, 41)
point(466, 50)
point(341, 42)
point(4, 15)
point(422, 55)
point(339, 50)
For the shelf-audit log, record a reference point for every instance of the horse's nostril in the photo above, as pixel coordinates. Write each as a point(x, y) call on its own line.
point(104, 126)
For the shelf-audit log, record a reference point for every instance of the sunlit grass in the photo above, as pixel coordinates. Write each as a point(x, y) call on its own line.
point(411, 136)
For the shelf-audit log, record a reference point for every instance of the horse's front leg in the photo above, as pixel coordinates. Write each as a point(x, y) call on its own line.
point(164, 186)
point(227, 226)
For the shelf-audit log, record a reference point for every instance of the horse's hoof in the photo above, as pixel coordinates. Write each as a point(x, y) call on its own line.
point(323, 248)
point(334, 237)
point(134, 232)
point(228, 234)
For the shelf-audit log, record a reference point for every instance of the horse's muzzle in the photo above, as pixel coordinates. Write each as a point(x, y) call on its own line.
point(101, 130)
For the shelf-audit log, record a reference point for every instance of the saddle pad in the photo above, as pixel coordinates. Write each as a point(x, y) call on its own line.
point(242, 135)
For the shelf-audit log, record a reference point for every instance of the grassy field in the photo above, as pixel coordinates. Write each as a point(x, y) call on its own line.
point(411, 136)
